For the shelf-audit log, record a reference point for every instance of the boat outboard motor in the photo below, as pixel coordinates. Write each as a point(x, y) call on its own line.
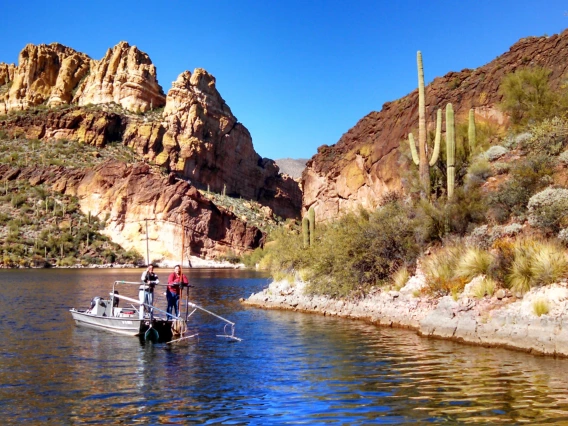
point(94, 302)
point(98, 306)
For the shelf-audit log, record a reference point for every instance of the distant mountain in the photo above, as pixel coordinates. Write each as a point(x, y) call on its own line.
point(292, 166)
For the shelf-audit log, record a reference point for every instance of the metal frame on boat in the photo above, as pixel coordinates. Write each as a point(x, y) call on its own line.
point(135, 320)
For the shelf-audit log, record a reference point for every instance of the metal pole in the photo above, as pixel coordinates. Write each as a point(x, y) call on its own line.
point(147, 247)
point(181, 266)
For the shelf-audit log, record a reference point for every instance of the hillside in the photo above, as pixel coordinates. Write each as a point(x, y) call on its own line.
point(365, 163)
point(68, 203)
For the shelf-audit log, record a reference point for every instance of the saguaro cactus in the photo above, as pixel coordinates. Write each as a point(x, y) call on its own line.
point(306, 231)
point(421, 158)
point(450, 150)
point(471, 131)
point(312, 219)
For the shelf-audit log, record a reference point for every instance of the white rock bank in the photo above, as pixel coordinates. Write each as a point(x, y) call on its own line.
point(500, 321)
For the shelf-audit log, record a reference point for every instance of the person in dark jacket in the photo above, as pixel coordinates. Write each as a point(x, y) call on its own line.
point(146, 289)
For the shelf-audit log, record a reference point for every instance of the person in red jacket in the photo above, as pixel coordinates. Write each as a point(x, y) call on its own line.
point(175, 281)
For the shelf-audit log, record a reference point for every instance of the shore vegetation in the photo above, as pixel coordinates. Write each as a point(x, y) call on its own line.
point(505, 221)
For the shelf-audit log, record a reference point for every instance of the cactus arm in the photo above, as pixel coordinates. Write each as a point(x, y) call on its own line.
point(436, 152)
point(413, 149)
point(450, 150)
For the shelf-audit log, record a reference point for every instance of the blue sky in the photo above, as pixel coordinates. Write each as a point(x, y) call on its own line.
point(298, 74)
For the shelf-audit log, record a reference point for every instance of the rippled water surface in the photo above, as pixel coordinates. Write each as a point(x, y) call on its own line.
point(290, 368)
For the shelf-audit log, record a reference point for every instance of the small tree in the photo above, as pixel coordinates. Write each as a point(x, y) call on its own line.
point(527, 95)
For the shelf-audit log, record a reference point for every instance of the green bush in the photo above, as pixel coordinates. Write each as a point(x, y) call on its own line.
point(525, 178)
point(361, 250)
point(527, 96)
point(549, 136)
point(548, 210)
point(252, 259)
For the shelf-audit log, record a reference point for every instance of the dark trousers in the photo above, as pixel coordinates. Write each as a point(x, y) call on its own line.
point(173, 303)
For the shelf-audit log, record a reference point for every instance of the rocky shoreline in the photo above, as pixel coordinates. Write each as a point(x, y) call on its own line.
point(503, 320)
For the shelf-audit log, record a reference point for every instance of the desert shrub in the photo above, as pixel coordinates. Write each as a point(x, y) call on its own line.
point(4, 218)
point(442, 217)
point(18, 200)
point(527, 96)
point(484, 236)
point(252, 259)
point(540, 307)
point(495, 152)
point(563, 236)
point(536, 263)
point(549, 136)
point(67, 261)
point(526, 177)
point(284, 253)
point(473, 262)
point(500, 168)
point(479, 169)
point(562, 159)
point(548, 209)
point(361, 250)
point(439, 269)
point(513, 141)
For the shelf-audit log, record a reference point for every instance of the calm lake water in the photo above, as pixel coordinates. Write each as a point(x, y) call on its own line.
point(290, 368)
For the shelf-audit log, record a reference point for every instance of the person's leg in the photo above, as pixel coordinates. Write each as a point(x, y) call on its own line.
point(150, 301)
point(176, 304)
point(170, 304)
point(141, 297)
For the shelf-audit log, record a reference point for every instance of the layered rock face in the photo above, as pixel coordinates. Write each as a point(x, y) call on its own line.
point(125, 76)
point(365, 163)
point(197, 137)
point(205, 143)
point(55, 74)
point(129, 194)
point(45, 74)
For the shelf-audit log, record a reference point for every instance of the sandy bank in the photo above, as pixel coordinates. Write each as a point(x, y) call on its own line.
point(500, 321)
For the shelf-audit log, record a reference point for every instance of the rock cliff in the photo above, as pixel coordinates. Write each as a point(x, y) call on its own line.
point(125, 76)
point(364, 163)
point(45, 74)
point(196, 136)
point(127, 195)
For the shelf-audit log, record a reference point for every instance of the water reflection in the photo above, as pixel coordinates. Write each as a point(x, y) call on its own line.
point(290, 368)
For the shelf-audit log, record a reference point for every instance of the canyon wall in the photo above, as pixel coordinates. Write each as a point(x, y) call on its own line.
point(126, 195)
point(196, 136)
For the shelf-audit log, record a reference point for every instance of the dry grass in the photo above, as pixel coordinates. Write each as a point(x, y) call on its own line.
point(540, 307)
point(536, 262)
point(440, 269)
point(474, 262)
point(486, 287)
